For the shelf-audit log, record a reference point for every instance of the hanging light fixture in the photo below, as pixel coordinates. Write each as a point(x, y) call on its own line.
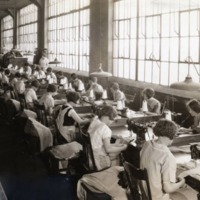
point(188, 83)
point(100, 72)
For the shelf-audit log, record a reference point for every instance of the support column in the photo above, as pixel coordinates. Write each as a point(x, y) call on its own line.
point(100, 35)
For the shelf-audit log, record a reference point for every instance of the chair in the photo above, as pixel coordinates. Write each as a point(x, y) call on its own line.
point(135, 176)
point(41, 113)
point(87, 154)
point(22, 100)
point(162, 108)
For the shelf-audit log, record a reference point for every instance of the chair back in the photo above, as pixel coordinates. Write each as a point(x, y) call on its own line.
point(41, 113)
point(135, 176)
point(87, 154)
point(162, 108)
point(22, 101)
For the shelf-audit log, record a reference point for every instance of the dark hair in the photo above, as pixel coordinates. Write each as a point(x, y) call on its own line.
point(52, 88)
point(93, 79)
point(60, 73)
point(165, 128)
point(17, 75)
point(35, 83)
point(115, 86)
point(72, 96)
point(49, 69)
point(109, 111)
point(149, 92)
point(7, 72)
point(98, 95)
point(73, 76)
point(194, 105)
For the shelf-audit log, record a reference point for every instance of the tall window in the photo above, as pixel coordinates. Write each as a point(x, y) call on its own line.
point(7, 33)
point(168, 40)
point(28, 28)
point(68, 33)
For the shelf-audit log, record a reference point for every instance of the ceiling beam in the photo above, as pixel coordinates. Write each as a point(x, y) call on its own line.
point(39, 3)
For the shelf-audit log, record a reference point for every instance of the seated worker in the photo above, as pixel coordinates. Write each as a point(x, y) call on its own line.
point(160, 163)
point(93, 85)
point(27, 69)
point(30, 94)
point(51, 77)
point(5, 76)
point(76, 82)
point(61, 78)
point(39, 73)
point(68, 118)
point(117, 93)
point(15, 79)
point(47, 98)
point(193, 107)
point(100, 135)
point(19, 86)
point(153, 104)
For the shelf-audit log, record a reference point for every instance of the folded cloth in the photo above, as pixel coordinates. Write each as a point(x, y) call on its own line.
point(105, 182)
point(66, 151)
point(35, 128)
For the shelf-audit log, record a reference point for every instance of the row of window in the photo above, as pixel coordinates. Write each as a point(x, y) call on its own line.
point(157, 39)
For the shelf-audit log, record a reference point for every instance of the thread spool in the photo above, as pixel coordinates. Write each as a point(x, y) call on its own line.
point(144, 106)
point(65, 86)
point(119, 105)
point(63, 81)
point(91, 95)
point(70, 86)
point(81, 87)
point(104, 96)
point(168, 115)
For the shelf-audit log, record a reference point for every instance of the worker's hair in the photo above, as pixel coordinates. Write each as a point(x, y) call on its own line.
point(115, 86)
point(49, 70)
point(35, 83)
point(93, 79)
point(52, 88)
point(194, 105)
point(165, 128)
point(109, 111)
point(149, 92)
point(72, 96)
point(73, 76)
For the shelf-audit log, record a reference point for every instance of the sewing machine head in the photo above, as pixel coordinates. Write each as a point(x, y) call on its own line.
point(195, 151)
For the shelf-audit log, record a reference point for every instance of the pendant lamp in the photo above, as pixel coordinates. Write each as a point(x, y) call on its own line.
point(55, 61)
point(188, 83)
point(101, 73)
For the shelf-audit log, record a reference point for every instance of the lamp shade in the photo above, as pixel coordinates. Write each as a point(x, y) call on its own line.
point(101, 73)
point(187, 84)
point(56, 61)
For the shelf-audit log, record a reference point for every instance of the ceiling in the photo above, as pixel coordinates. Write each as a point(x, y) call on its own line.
point(6, 5)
